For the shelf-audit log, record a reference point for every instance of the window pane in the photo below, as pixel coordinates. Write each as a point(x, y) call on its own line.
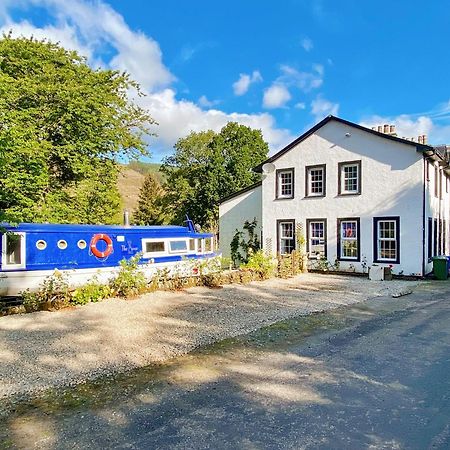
point(157, 246)
point(178, 246)
point(287, 230)
point(388, 249)
point(348, 230)
point(317, 239)
point(285, 183)
point(350, 178)
point(350, 249)
point(199, 245)
point(192, 245)
point(316, 181)
point(13, 246)
point(387, 229)
point(208, 246)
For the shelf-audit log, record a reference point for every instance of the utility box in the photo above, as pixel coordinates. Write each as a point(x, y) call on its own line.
point(440, 267)
point(380, 273)
point(376, 273)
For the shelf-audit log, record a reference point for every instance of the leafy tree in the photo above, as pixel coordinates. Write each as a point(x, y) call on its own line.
point(62, 127)
point(207, 166)
point(150, 209)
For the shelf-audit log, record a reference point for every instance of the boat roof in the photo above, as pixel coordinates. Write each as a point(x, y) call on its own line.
point(113, 229)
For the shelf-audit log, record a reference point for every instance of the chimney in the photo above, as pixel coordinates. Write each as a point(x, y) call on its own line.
point(420, 139)
point(424, 139)
point(413, 139)
point(386, 128)
point(126, 218)
point(380, 128)
point(392, 129)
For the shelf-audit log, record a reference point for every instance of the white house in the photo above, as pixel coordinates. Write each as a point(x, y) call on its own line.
point(361, 196)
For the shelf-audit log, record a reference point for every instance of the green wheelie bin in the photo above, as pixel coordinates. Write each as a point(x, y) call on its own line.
point(440, 267)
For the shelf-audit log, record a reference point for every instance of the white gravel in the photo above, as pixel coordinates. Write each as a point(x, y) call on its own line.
point(49, 349)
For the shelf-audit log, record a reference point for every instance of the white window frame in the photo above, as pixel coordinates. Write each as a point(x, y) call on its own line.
point(380, 239)
point(22, 265)
point(280, 184)
point(284, 238)
point(309, 192)
point(177, 252)
point(152, 254)
point(212, 244)
point(200, 249)
point(343, 239)
point(324, 238)
point(342, 167)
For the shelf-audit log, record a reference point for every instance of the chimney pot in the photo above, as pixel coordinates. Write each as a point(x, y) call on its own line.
point(374, 128)
point(391, 128)
point(413, 139)
point(420, 139)
point(386, 128)
point(424, 138)
point(380, 128)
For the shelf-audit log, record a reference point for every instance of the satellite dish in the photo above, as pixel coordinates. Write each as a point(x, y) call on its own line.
point(268, 168)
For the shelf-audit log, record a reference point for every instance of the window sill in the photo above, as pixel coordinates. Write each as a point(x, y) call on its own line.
point(385, 261)
point(348, 194)
point(349, 259)
point(284, 198)
point(314, 196)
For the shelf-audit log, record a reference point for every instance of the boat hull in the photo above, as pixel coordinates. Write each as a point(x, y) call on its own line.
point(13, 283)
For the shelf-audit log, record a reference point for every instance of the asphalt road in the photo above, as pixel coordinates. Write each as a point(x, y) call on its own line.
point(375, 375)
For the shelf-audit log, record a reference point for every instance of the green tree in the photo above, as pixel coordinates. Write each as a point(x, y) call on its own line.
point(150, 209)
point(207, 166)
point(62, 127)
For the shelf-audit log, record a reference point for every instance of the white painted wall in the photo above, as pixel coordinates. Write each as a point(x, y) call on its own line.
point(234, 212)
point(436, 208)
point(392, 185)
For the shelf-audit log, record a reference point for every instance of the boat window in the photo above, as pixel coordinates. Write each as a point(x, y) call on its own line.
point(14, 254)
point(62, 244)
point(41, 244)
point(178, 246)
point(153, 247)
point(200, 245)
point(192, 245)
point(81, 244)
point(208, 245)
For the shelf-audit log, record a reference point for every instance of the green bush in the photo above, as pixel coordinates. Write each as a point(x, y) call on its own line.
point(130, 281)
point(261, 264)
point(90, 292)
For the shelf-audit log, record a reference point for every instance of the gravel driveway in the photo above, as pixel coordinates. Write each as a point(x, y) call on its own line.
point(49, 349)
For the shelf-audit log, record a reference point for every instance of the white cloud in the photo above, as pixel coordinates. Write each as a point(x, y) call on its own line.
point(321, 107)
point(300, 105)
point(307, 44)
point(93, 27)
point(206, 103)
point(241, 86)
point(305, 81)
point(276, 96)
point(89, 28)
point(187, 116)
point(411, 125)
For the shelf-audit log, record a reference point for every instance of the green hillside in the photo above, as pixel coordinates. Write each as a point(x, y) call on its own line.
point(130, 181)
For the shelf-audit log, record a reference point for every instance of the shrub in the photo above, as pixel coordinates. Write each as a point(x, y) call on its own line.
point(261, 264)
point(130, 281)
point(90, 292)
point(54, 289)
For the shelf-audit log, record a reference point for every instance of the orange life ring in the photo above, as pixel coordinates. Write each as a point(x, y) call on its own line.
point(109, 245)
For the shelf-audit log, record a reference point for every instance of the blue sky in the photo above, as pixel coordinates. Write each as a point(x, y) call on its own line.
point(278, 66)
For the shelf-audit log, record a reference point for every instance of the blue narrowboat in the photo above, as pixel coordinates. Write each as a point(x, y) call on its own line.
point(30, 252)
